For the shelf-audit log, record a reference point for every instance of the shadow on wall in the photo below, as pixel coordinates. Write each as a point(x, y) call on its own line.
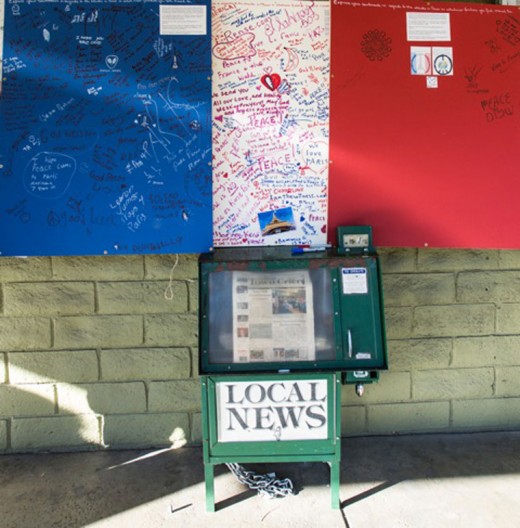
point(47, 414)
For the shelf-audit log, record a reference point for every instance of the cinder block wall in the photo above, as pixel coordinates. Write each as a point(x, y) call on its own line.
point(100, 352)
point(453, 328)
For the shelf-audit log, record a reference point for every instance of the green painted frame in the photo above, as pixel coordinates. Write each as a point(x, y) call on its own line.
point(327, 450)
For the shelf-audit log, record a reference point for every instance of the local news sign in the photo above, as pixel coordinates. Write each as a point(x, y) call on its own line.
point(277, 410)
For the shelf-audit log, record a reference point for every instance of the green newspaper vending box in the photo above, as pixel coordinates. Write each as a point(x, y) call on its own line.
point(280, 329)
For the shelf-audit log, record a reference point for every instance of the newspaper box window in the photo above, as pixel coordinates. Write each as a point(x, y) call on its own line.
point(280, 330)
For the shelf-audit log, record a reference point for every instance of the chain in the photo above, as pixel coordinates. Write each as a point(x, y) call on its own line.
point(266, 484)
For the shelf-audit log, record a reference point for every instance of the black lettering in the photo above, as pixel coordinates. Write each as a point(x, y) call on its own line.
point(270, 392)
point(262, 417)
point(289, 415)
point(295, 391)
point(241, 422)
point(313, 393)
point(249, 395)
point(311, 415)
point(231, 398)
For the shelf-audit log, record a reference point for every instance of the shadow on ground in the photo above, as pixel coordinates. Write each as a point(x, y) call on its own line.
point(77, 489)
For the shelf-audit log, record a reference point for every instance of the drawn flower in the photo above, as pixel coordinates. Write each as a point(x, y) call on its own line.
point(376, 45)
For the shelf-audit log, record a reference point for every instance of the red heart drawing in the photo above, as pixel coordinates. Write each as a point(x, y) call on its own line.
point(271, 81)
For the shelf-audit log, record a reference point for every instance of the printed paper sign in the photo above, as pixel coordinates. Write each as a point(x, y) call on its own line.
point(354, 280)
point(422, 27)
point(262, 411)
point(182, 20)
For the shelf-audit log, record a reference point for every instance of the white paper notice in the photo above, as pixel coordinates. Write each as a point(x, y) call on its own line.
point(182, 20)
point(428, 26)
point(354, 280)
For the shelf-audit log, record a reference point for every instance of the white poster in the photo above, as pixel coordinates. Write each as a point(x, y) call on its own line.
point(273, 317)
point(278, 410)
point(270, 122)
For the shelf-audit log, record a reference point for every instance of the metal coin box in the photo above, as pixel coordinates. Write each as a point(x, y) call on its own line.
point(279, 330)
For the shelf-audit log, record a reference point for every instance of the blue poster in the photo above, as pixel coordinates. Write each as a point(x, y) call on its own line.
point(105, 118)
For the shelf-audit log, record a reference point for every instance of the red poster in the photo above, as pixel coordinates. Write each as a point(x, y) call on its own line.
point(425, 123)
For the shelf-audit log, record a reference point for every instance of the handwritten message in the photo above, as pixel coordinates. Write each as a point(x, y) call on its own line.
point(106, 129)
point(270, 122)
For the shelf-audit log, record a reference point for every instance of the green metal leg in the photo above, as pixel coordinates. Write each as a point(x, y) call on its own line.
point(209, 477)
point(334, 484)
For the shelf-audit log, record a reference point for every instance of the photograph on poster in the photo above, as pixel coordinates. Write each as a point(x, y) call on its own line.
point(274, 222)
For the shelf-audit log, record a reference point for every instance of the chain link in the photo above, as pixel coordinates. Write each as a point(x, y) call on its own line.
point(266, 484)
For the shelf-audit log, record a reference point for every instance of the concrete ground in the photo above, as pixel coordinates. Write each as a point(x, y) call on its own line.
point(426, 481)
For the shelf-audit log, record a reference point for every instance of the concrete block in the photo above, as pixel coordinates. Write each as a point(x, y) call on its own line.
point(146, 430)
point(508, 381)
point(27, 400)
point(353, 420)
point(488, 286)
point(141, 297)
point(494, 413)
point(454, 320)
point(98, 331)
point(160, 267)
point(3, 368)
point(13, 269)
point(509, 259)
point(453, 384)
point(196, 429)
point(51, 298)
point(414, 354)
point(181, 395)
point(508, 316)
point(419, 289)
point(456, 259)
point(145, 364)
point(57, 432)
point(195, 362)
point(64, 365)
point(486, 351)
point(99, 268)
point(397, 260)
point(193, 293)
point(171, 329)
point(398, 322)
point(25, 333)
point(3, 435)
point(408, 417)
point(102, 398)
point(392, 386)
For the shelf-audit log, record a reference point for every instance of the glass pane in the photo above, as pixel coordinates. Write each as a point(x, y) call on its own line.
point(270, 316)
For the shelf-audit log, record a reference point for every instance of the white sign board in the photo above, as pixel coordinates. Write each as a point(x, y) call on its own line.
point(276, 410)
